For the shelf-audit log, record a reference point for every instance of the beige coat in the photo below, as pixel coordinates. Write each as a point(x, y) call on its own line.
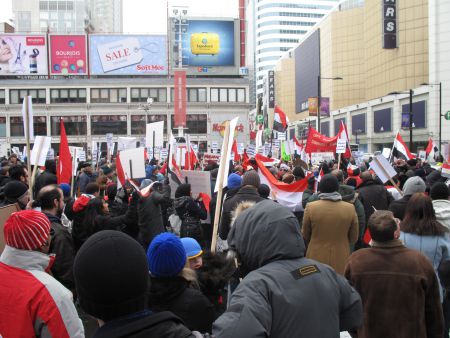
point(330, 227)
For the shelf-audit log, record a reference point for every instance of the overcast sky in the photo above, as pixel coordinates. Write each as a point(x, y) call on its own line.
point(149, 16)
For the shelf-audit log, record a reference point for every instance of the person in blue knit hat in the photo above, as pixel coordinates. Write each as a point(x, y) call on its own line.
point(193, 252)
point(174, 286)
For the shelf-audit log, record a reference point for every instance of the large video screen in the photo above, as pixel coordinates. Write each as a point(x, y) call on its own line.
point(128, 54)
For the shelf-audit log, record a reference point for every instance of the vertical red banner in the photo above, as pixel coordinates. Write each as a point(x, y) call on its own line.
point(180, 98)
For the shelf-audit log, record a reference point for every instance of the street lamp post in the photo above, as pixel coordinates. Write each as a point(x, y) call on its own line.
point(146, 107)
point(440, 110)
point(319, 95)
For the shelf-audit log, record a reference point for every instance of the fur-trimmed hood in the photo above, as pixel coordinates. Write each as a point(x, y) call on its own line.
point(240, 208)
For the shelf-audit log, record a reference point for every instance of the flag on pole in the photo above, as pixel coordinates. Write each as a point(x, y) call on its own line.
point(431, 149)
point(64, 172)
point(280, 120)
point(343, 135)
point(234, 150)
point(120, 173)
point(401, 148)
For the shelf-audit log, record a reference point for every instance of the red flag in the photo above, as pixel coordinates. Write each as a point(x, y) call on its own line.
point(429, 147)
point(120, 173)
point(343, 134)
point(205, 199)
point(280, 120)
point(316, 142)
point(64, 172)
point(191, 158)
point(234, 150)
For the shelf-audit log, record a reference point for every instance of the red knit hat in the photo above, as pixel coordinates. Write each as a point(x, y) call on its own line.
point(26, 230)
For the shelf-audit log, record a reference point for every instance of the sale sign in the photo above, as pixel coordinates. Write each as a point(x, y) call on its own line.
point(128, 54)
point(68, 54)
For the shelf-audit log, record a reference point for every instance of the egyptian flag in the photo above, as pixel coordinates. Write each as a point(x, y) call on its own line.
point(288, 195)
point(64, 171)
point(400, 148)
point(343, 135)
point(174, 172)
point(280, 120)
point(431, 149)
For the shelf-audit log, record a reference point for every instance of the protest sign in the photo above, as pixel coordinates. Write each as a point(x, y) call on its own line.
point(214, 146)
point(341, 146)
point(200, 181)
point(133, 162)
point(317, 158)
point(382, 168)
point(126, 143)
point(251, 150)
point(211, 157)
point(40, 150)
point(154, 134)
point(163, 154)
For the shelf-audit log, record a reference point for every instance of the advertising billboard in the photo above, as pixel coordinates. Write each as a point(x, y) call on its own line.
point(23, 55)
point(208, 46)
point(128, 54)
point(68, 54)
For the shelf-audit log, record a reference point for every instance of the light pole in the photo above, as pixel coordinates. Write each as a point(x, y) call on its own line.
point(440, 110)
point(146, 107)
point(319, 95)
point(411, 115)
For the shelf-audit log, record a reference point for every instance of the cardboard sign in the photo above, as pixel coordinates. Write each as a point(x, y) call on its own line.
point(211, 157)
point(317, 158)
point(156, 128)
point(133, 162)
point(382, 168)
point(200, 181)
point(127, 143)
point(40, 150)
point(341, 145)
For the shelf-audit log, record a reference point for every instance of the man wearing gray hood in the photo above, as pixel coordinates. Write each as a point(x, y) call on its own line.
point(412, 185)
point(283, 293)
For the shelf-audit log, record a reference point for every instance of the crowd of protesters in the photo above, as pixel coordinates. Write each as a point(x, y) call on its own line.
point(99, 259)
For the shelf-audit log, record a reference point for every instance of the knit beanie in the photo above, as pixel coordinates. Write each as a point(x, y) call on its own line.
point(106, 170)
point(13, 190)
point(192, 248)
point(234, 181)
point(328, 183)
point(166, 255)
point(111, 275)
point(439, 191)
point(413, 184)
point(65, 189)
point(264, 190)
point(183, 190)
point(251, 178)
point(26, 230)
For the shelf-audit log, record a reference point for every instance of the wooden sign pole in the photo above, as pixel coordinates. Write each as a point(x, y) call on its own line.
point(220, 179)
point(33, 175)
point(27, 137)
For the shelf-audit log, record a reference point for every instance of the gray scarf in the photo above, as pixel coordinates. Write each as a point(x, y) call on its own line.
point(330, 196)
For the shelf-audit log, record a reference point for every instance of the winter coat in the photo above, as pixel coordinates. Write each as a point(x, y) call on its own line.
point(174, 294)
point(398, 207)
point(284, 294)
point(245, 193)
point(150, 216)
point(397, 285)
point(62, 246)
point(148, 325)
point(191, 212)
point(4, 179)
point(442, 212)
point(117, 208)
point(77, 210)
point(435, 248)
point(83, 180)
point(33, 303)
point(44, 179)
point(374, 195)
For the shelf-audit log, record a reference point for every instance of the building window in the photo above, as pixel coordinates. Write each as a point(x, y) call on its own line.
point(192, 94)
point(282, 31)
point(142, 94)
point(71, 95)
point(418, 115)
point(2, 126)
point(2, 97)
point(23, 21)
point(359, 124)
point(39, 125)
point(108, 95)
point(382, 120)
point(138, 122)
point(104, 124)
point(337, 124)
point(16, 96)
point(74, 125)
point(227, 94)
point(195, 124)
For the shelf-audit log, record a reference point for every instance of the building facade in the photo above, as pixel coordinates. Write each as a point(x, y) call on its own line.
point(274, 27)
point(106, 16)
point(91, 108)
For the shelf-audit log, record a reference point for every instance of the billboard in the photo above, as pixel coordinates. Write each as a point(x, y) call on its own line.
point(180, 98)
point(68, 54)
point(128, 54)
point(23, 55)
point(208, 46)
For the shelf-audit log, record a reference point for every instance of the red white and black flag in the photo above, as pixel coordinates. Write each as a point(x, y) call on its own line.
point(280, 120)
point(400, 149)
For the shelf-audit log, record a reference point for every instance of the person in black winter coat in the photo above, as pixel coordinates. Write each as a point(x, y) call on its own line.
point(47, 177)
point(111, 275)
point(150, 214)
point(172, 284)
point(190, 212)
point(97, 217)
point(247, 192)
point(115, 204)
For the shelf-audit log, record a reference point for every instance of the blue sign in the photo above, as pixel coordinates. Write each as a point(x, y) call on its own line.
point(128, 54)
point(208, 43)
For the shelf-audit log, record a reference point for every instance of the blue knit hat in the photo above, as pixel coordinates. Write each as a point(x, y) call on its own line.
point(234, 181)
point(192, 248)
point(65, 188)
point(166, 255)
